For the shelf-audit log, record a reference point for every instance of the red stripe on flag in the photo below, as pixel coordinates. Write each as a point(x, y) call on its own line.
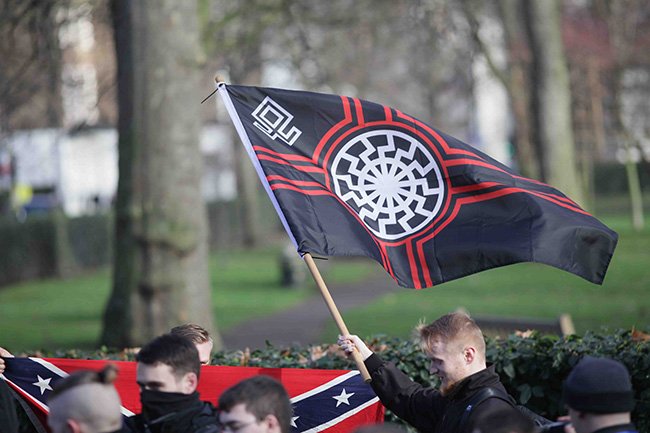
point(448, 150)
point(303, 191)
point(386, 261)
point(359, 110)
point(388, 113)
point(476, 187)
point(294, 182)
point(346, 119)
point(413, 265)
point(309, 169)
point(288, 157)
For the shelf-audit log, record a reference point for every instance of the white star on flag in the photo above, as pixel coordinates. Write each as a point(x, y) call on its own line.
point(343, 398)
point(293, 421)
point(43, 384)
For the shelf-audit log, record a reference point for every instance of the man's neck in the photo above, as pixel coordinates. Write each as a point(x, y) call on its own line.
point(476, 367)
point(597, 422)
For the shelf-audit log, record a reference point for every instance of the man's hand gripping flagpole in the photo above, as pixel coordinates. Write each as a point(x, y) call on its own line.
point(356, 355)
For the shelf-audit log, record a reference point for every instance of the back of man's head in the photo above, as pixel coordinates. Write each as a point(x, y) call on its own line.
point(173, 350)
point(199, 336)
point(87, 402)
point(599, 386)
point(598, 393)
point(195, 333)
point(452, 327)
point(262, 396)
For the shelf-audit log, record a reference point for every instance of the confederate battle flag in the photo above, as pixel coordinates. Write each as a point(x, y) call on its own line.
point(329, 401)
point(351, 177)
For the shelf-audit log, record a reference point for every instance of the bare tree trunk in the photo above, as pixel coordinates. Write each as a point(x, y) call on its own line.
point(626, 143)
point(623, 25)
point(518, 89)
point(161, 274)
point(513, 78)
point(247, 69)
point(247, 187)
point(556, 130)
point(636, 197)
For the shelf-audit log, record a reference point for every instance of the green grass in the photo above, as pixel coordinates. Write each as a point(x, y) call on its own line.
point(526, 290)
point(60, 314)
point(67, 313)
point(53, 313)
point(247, 284)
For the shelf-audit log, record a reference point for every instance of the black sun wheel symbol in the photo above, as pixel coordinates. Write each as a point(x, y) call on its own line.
point(391, 180)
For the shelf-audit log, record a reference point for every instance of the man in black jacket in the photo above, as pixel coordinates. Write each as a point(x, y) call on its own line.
point(599, 395)
point(168, 374)
point(8, 418)
point(468, 389)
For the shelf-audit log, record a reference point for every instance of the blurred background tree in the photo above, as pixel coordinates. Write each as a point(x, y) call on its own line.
point(160, 272)
point(570, 82)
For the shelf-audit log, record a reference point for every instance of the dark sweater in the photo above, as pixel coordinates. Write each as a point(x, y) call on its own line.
point(425, 408)
point(617, 429)
point(197, 417)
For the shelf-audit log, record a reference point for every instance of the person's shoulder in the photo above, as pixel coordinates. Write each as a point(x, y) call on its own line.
point(492, 404)
point(208, 409)
point(206, 420)
point(488, 400)
point(133, 424)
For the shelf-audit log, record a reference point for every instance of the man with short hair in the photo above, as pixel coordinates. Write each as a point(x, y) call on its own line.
point(8, 417)
point(469, 388)
point(199, 336)
point(599, 395)
point(256, 405)
point(86, 402)
point(168, 372)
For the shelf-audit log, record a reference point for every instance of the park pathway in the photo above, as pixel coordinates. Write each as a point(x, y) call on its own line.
point(305, 323)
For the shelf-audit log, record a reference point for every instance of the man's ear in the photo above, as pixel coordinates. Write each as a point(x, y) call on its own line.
point(272, 424)
point(72, 426)
point(469, 353)
point(190, 382)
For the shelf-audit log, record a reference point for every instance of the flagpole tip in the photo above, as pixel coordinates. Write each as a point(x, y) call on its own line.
point(219, 80)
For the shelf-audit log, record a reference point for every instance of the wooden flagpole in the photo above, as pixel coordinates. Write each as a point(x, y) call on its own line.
point(335, 312)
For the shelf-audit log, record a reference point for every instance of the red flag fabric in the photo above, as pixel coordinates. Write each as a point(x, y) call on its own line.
point(336, 401)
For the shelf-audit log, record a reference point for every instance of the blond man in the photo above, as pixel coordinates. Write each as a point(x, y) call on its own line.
point(469, 388)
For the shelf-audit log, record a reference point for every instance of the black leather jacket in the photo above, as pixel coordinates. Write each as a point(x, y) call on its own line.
point(425, 408)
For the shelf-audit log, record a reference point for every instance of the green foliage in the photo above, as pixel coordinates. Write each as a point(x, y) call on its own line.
point(91, 239)
point(532, 367)
point(611, 179)
point(27, 248)
point(30, 249)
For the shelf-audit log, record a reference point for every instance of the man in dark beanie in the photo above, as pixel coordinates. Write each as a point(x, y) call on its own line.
point(599, 395)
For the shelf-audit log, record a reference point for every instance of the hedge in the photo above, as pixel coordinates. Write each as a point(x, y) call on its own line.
point(532, 366)
point(611, 179)
point(52, 245)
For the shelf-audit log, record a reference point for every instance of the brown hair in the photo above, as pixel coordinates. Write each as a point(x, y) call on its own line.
point(452, 327)
point(106, 376)
point(173, 350)
point(195, 333)
point(262, 396)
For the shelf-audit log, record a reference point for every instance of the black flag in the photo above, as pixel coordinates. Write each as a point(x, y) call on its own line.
point(351, 177)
